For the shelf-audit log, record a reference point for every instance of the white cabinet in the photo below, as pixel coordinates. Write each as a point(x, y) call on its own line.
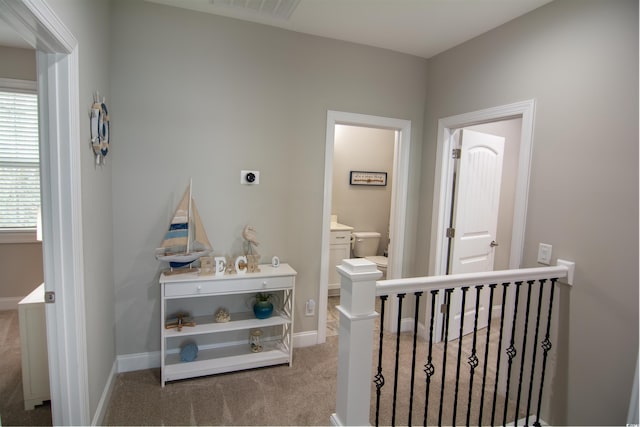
point(339, 249)
point(33, 348)
point(224, 347)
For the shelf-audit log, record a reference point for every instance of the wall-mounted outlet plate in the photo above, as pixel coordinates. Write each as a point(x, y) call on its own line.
point(544, 253)
point(249, 177)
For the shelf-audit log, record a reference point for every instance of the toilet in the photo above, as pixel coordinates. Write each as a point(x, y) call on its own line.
point(365, 245)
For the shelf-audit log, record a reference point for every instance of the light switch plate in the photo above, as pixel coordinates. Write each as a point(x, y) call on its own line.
point(544, 253)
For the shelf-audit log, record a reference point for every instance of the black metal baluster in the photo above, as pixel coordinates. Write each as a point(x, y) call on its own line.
point(535, 347)
point(524, 345)
point(473, 359)
point(511, 352)
point(413, 360)
point(546, 346)
point(444, 351)
point(492, 288)
point(464, 290)
point(428, 367)
point(379, 378)
point(395, 379)
point(499, 352)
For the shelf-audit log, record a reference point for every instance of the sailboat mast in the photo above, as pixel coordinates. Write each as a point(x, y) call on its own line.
point(189, 228)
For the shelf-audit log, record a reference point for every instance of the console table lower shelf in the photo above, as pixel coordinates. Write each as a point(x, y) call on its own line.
point(226, 359)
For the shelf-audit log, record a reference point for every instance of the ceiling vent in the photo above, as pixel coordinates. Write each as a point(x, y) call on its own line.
point(280, 9)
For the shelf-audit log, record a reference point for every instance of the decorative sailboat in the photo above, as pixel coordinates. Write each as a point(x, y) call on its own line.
point(186, 239)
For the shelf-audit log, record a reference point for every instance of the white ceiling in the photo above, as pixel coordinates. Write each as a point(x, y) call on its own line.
point(417, 27)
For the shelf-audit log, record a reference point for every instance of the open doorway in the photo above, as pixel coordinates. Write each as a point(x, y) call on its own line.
point(397, 216)
point(363, 162)
point(59, 111)
point(494, 248)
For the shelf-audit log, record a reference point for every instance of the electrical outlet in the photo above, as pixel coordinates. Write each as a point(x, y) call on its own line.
point(544, 253)
point(310, 308)
point(249, 177)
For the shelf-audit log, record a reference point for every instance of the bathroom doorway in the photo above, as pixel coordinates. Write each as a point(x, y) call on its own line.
point(397, 181)
point(361, 202)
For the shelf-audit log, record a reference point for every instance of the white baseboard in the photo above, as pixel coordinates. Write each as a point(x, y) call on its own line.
point(150, 360)
point(138, 361)
point(9, 303)
point(101, 410)
point(495, 311)
point(406, 325)
point(305, 339)
point(532, 418)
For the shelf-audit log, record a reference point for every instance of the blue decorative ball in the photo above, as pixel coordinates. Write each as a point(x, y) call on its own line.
point(189, 352)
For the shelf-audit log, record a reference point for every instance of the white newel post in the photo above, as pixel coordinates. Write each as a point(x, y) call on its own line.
point(357, 316)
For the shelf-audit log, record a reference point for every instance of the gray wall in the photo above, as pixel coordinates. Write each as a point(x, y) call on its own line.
point(20, 263)
point(204, 96)
point(579, 60)
point(89, 22)
point(365, 208)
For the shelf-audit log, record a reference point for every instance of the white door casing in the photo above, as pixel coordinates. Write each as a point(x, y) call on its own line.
point(476, 204)
point(58, 84)
point(443, 191)
point(399, 191)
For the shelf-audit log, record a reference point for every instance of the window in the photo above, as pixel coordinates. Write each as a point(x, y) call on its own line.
point(19, 161)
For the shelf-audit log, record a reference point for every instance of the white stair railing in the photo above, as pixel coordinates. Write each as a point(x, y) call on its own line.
point(358, 292)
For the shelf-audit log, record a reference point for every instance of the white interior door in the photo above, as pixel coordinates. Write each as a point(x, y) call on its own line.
point(475, 220)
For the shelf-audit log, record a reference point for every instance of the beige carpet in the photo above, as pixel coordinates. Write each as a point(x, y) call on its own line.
point(303, 394)
point(12, 412)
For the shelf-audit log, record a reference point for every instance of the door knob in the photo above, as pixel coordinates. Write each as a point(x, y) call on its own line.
point(493, 244)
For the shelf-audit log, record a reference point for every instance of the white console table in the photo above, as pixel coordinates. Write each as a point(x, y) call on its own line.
point(224, 347)
point(33, 348)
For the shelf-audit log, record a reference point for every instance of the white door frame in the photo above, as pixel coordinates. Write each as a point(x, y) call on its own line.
point(399, 191)
point(58, 93)
point(443, 191)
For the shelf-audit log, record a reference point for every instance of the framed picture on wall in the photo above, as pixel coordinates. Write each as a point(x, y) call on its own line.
point(368, 178)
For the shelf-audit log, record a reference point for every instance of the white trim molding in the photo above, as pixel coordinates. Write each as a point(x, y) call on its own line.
point(443, 186)
point(398, 215)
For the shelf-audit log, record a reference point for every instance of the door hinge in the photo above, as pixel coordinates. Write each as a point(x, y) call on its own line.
point(456, 153)
point(49, 297)
point(451, 233)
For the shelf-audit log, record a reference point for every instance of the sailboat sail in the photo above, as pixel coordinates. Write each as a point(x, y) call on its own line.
point(186, 239)
point(178, 234)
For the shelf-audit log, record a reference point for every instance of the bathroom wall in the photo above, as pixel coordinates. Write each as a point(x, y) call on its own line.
point(363, 207)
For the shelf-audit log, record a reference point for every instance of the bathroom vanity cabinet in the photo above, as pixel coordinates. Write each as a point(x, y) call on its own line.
point(339, 249)
point(225, 347)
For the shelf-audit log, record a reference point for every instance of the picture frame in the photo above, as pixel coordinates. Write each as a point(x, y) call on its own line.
point(378, 179)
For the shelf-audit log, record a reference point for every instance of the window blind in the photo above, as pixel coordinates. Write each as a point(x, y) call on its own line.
point(19, 160)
